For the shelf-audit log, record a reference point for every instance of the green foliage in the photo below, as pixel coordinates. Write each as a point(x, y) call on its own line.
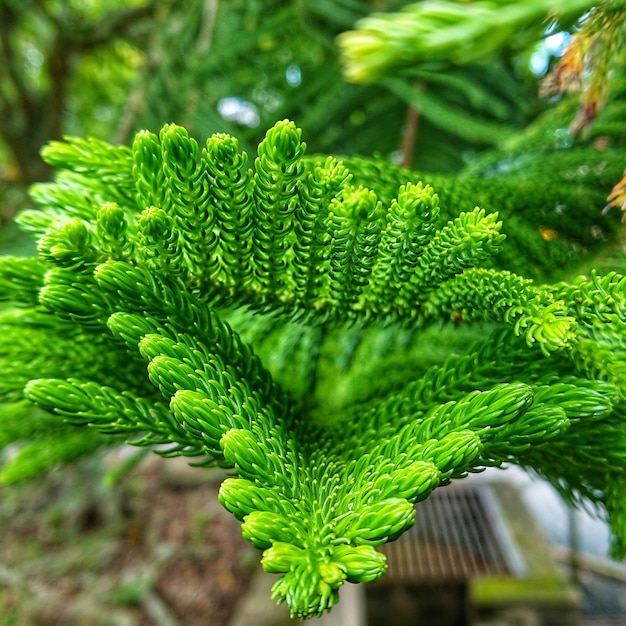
point(265, 319)
point(446, 31)
point(552, 223)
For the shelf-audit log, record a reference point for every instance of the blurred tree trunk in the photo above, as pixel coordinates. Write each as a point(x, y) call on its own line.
point(33, 112)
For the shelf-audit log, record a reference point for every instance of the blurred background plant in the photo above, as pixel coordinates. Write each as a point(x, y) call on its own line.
point(432, 97)
point(106, 69)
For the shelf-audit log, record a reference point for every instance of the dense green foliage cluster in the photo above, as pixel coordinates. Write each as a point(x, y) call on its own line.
point(446, 31)
point(265, 319)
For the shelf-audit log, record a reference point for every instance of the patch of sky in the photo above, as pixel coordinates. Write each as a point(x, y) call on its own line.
point(293, 75)
point(552, 46)
point(239, 110)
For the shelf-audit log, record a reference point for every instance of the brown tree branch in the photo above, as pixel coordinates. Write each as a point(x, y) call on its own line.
point(411, 129)
point(84, 37)
point(31, 118)
point(409, 137)
point(10, 63)
point(209, 17)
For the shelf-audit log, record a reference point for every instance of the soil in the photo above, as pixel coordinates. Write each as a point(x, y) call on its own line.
point(156, 549)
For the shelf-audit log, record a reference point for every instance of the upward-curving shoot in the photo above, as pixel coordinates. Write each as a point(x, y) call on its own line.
point(186, 299)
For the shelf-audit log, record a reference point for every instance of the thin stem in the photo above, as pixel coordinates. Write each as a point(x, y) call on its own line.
point(409, 139)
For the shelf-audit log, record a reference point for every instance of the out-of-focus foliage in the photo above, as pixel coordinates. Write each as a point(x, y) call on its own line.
point(441, 33)
point(108, 69)
point(64, 67)
point(591, 62)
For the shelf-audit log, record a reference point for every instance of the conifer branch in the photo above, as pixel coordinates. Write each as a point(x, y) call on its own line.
point(174, 290)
